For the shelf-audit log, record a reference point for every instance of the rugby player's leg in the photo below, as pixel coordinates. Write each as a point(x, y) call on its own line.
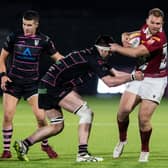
point(41, 120)
point(9, 107)
point(73, 103)
point(55, 127)
point(127, 103)
point(147, 108)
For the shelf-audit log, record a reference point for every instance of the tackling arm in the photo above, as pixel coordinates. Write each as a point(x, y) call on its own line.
point(121, 77)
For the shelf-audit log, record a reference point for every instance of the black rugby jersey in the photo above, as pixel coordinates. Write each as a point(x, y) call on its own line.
point(25, 52)
point(76, 68)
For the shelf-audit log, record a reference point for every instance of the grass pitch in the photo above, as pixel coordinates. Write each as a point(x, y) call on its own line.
point(104, 137)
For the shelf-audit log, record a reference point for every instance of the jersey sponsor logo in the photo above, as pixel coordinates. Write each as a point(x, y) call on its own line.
point(150, 41)
point(26, 55)
point(27, 52)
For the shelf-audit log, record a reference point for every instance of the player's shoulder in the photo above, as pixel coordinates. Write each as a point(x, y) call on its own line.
point(160, 37)
point(43, 36)
point(11, 36)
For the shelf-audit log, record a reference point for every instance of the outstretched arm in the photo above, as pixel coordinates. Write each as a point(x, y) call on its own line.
point(121, 77)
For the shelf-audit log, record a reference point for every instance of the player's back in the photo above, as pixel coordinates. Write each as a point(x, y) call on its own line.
point(73, 66)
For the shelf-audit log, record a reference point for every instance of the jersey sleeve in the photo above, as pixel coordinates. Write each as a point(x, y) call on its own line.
point(153, 44)
point(8, 45)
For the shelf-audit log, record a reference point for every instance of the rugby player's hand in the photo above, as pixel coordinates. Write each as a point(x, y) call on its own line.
point(4, 80)
point(137, 75)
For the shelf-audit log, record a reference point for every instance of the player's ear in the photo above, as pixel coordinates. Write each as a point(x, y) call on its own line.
point(37, 24)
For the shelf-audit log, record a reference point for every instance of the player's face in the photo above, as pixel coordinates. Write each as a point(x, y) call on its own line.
point(154, 23)
point(29, 27)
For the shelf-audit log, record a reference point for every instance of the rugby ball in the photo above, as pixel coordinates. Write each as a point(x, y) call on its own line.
point(134, 39)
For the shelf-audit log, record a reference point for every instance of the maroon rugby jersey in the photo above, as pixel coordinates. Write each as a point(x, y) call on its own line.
point(154, 65)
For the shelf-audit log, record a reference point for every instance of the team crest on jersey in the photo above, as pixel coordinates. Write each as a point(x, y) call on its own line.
point(36, 42)
point(150, 41)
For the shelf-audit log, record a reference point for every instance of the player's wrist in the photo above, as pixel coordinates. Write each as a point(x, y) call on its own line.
point(3, 74)
point(133, 76)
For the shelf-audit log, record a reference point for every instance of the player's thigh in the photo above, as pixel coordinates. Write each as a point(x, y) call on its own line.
point(128, 101)
point(72, 101)
point(33, 102)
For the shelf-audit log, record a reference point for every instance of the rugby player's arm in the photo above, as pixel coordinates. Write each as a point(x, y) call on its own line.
point(3, 70)
point(112, 81)
point(120, 78)
point(139, 51)
point(116, 72)
point(3, 58)
point(57, 56)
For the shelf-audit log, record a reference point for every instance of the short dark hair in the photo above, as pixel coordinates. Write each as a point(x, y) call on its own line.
point(104, 40)
point(156, 12)
point(31, 15)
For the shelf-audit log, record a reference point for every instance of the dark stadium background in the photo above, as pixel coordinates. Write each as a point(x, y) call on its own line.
point(76, 24)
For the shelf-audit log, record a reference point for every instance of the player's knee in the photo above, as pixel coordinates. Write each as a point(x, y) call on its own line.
point(144, 123)
point(57, 124)
point(85, 114)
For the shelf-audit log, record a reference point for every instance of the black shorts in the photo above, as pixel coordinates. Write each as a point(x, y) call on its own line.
point(24, 90)
point(49, 97)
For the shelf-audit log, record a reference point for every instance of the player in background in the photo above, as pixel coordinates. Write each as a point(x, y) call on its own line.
point(152, 61)
point(56, 90)
point(21, 79)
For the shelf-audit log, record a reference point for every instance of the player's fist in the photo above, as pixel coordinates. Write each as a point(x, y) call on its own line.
point(137, 75)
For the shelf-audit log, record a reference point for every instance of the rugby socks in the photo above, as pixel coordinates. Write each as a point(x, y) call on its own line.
point(7, 136)
point(82, 149)
point(145, 137)
point(123, 126)
point(27, 142)
point(44, 142)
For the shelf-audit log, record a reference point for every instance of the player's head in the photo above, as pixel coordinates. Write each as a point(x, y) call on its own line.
point(103, 44)
point(30, 22)
point(156, 12)
point(155, 20)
